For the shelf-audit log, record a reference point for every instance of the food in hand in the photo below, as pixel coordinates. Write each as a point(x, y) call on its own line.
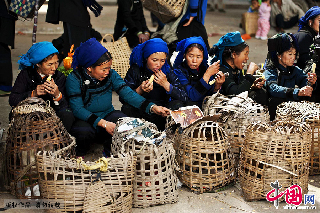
point(151, 79)
point(49, 78)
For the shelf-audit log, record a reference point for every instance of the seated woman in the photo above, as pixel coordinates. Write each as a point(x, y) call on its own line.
point(191, 67)
point(147, 59)
point(233, 54)
point(89, 89)
point(282, 76)
point(40, 62)
point(307, 33)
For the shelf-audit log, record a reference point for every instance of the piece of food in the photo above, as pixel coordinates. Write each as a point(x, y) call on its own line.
point(313, 69)
point(67, 63)
point(49, 78)
point(151, 78)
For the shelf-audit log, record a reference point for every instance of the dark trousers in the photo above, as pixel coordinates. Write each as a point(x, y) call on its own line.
point(259, 95)
point(286, 24)
point(273, 104)
point(85, 134)
point(74, 35)
point(5, 67)
point(67, 118)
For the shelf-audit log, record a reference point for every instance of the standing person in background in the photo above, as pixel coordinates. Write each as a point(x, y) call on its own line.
point(219, 4)
point(7, 32)
point(131, 22)
point(75, 18)
point(263, 21)
point(254, 7)
point(284, 14)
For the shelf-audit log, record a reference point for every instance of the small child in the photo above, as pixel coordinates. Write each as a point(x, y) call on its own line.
point(263, 21)
point(254, 7)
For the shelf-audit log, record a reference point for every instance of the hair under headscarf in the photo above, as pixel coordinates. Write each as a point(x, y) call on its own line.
point(228, 40)
point(184, 44)
point(88, 53)
point(147, 48)
point(310, 14)
point(36, 54)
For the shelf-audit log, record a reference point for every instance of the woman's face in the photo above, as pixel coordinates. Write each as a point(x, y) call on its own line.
point(156, 60)
point(49, 67)
point(100, 72)
point(288, 57)
point(194, 57)
point(240, 60)
point(314, 24)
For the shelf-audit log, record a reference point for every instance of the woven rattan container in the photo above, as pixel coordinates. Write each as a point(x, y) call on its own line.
point(308, 112)
point(165, 10)
point(277, 151)
point(34, 127)
point(71, 181)
point(120, 52)
point(155, 180)
point(204, 157)
point(250, 23)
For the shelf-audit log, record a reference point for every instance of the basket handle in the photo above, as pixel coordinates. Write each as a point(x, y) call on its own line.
point(105, 36)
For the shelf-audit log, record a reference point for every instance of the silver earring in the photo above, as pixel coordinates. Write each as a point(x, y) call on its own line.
point(280, 58)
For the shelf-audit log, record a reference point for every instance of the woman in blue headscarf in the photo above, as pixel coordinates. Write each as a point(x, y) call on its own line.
point(89, 89)
point(282, 77)
point(307, 33)
point(233, 54)
point(150, 59)
point(40, 62)
point(191, 67)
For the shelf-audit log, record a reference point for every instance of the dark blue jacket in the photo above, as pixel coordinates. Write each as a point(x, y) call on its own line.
point(91, 100)
point(193, 82)
point(135, 76)
point(281, 82)
point(197, 9)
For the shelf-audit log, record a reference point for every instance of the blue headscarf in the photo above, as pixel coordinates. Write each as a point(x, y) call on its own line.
point(141, 52)
point(88, 53)
point(184, 44)
point(36, 54)
point(228, 40)
point(310, 14)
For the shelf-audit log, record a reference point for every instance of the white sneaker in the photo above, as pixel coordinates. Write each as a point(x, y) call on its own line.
point(257, 37)
point(264, 38)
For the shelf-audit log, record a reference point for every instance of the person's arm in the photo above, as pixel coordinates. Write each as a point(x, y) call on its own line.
point(304, 42)
point(20, 90)
point(73, 90)
point(177, 92)
point(143, 20)
point(230, 87)
point(296, 9)
point(60, 81)
point(124, 7)
point(301, 78)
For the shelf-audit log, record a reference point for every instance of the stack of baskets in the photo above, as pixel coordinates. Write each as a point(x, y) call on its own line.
point(204, 156)
point(155, 180)
point(34, 126)
point(73, 182)
point(308, 112)
point(276, 151)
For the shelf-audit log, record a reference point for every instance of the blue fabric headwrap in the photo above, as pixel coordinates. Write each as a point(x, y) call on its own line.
point(310, 14)
point(228, 40)
point(36, 54)
point(144, 50)
point(184, 44)
point(88, 53)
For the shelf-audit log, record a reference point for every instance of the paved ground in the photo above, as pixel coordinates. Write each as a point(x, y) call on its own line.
point(229, 200)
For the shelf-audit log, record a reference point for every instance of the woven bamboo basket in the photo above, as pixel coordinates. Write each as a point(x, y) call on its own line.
point(276, 151)
point(165, 10)
point(250, 23)
point(155, 180)
point(120, 52)
point(204, 156)
point(310, 113)
point(72, 182)
point(34, 127)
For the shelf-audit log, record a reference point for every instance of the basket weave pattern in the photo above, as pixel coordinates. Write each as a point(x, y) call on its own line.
point(64, 179)
point(274, 151)
point(250, 23)
point(310, 113)
point(29, 132)
point(155, 180)
point(204, 157)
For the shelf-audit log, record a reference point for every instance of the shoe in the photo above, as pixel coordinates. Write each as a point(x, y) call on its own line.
point(264, 38)
point(221, 10)
point(4, 93)
point(257, 37)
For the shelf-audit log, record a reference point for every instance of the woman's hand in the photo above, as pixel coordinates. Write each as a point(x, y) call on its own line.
point(252, 68)
point(305, 91)
point(159, 110)
point(220, 79)
point(51, 88)
point(40, 90)
point(312, 78)
point(212, 70)
point(145, 86)
point(258, 83)
point(161, 79)
point(189, 21)
point(107, 125)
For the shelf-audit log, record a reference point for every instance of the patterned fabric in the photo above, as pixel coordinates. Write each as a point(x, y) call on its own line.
point(22, 7)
